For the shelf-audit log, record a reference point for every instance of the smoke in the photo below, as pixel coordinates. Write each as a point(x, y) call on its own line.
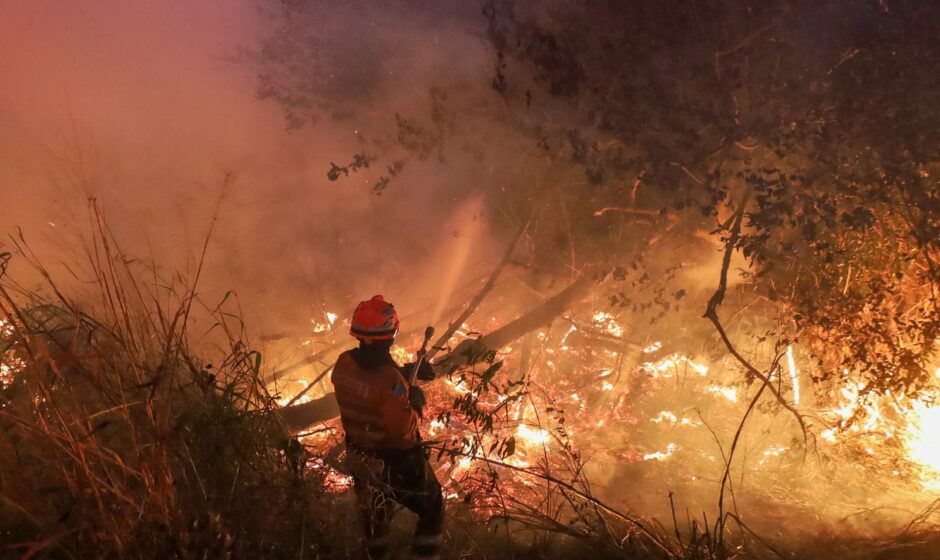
point(147, 106)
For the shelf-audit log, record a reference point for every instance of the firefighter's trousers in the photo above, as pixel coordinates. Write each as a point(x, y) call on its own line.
point(405, 477)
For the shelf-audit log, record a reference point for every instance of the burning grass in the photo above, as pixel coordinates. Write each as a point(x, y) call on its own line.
point(121, 440)
point(579, 436)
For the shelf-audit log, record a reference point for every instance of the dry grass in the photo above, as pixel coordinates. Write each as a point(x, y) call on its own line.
point(119, 441)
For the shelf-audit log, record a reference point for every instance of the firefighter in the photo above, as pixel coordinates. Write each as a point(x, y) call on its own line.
point(379, 411)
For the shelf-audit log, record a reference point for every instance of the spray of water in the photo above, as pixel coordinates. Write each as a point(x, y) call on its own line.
point(467, 233)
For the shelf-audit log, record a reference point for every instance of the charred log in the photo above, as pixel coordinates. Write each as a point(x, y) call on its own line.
point(468, 352)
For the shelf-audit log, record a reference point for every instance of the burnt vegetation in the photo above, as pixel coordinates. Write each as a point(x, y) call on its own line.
point(800, 140)
point(736, 176)
point(658, 121)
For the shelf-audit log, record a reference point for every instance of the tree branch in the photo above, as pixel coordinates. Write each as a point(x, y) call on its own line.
point(711, 313)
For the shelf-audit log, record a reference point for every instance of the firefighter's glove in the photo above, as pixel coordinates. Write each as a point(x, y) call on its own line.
point(425, 372)
point(418, 400)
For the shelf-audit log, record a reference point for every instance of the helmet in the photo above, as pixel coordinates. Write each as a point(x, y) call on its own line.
point(375, 319)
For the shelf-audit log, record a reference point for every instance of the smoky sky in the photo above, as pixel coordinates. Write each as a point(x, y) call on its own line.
point(147, 106)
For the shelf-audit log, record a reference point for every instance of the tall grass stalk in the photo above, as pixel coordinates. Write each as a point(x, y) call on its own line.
point(118, 439)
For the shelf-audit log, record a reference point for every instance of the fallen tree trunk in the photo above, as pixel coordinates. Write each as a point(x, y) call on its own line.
point(329, 350)
point(316, 357)
point(299, 416)
point(468, 352)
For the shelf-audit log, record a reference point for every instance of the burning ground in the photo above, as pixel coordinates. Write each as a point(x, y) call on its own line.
point(687, 256)
point(584, 415)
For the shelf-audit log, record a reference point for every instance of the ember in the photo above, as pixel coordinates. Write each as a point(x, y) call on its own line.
point(615, 430)
point(10, 363)
point(661, 279)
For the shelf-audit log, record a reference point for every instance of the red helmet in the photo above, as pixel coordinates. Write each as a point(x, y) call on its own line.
point(375, 319)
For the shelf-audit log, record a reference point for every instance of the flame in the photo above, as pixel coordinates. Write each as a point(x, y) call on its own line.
point(334, 482)
point(7, 372)
point(597, 415)
point(665, 366)
point(564, 339)
point(463, 465)
point(661, 455)
point(401, 355)
point(460, 387)
point(916, 421)
point(729, 393)
point(794, 379)
point(319, 327)
point(772, 452)
point(607, 321)
point(923, 442)
point(10, 364)
point(303, 399)
point(664, 416)
point(533, 436)
point(434, 427)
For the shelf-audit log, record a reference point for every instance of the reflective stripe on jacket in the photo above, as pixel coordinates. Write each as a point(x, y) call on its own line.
point(373, 405)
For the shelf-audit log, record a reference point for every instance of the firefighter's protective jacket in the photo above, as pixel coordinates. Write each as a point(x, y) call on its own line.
point(373, 404)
